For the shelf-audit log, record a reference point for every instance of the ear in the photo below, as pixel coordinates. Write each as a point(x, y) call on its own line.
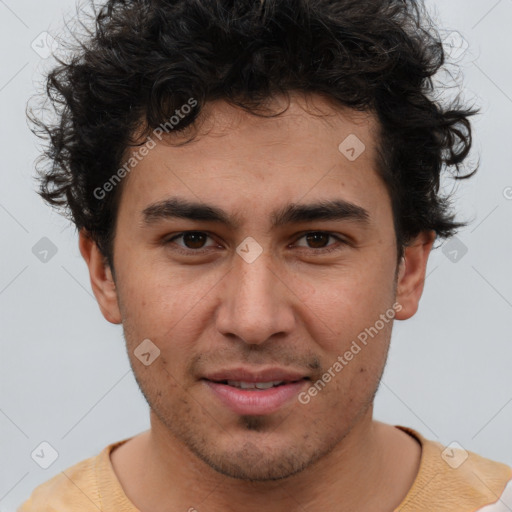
point(102, 282)
point(411, 274)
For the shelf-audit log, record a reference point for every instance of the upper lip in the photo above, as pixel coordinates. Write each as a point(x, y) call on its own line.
point(255, 375)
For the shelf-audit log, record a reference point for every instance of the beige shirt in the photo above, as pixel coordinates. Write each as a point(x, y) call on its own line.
point(446, 482)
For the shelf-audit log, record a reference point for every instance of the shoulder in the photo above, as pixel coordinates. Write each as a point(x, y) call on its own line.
point(452, 478)
point(75, 488)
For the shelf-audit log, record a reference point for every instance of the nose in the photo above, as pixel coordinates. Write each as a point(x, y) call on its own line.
point(256, 303)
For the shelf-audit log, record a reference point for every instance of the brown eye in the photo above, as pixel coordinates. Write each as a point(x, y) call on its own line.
point(317, 241)
point(192, 242)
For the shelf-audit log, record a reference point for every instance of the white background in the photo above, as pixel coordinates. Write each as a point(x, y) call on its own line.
point(65, 377)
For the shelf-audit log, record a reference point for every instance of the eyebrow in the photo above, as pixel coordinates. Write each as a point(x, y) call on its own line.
point(293, 213)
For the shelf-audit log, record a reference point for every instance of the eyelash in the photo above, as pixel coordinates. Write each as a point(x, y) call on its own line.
point(194, 252)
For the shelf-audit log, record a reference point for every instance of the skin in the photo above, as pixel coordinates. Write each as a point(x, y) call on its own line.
point(292, 307)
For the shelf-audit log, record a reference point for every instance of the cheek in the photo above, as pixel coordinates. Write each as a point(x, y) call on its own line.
point(162, 386)
point(161, 300)
point(173, 315)
point(337, 306)
point(351, 377)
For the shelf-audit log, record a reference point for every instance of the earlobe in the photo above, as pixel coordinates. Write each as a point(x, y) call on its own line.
point(100, 274)
point(411, 274)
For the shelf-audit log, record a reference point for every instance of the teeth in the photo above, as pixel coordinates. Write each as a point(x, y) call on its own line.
point(254, 385)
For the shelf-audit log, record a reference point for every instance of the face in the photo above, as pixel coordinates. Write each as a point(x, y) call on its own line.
point(259, 291)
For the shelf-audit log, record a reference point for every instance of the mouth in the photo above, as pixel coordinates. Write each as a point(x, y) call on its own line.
point(255, 397)
point(255, 385)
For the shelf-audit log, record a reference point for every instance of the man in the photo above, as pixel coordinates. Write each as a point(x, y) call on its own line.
point(256, 187)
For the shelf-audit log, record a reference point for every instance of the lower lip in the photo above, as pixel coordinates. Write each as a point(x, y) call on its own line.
point(264, 401)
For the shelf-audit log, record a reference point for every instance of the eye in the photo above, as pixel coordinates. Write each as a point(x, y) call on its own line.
point(193, 240)
point(318, 240)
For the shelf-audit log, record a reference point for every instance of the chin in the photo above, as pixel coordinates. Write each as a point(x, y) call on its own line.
point(253, 465)
point(256, 457)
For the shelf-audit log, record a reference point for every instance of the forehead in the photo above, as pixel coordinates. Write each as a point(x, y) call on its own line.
point(313, 151)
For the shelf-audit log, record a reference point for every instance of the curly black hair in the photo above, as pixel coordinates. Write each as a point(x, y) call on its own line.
point(143, 59)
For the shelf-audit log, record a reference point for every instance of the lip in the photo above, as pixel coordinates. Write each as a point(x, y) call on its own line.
point(256, 402)
point(255, 375)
